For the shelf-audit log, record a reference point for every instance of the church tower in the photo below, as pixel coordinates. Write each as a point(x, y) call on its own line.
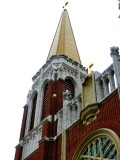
point(70, 114)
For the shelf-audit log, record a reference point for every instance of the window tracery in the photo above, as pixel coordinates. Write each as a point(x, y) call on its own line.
point(101, 148)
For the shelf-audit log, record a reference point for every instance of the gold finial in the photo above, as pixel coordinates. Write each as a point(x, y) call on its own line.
point(65, 5)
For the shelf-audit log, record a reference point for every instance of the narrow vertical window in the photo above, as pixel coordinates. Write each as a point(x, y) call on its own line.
point(33, 112)
point(101, 89)
point(107, 85)
point(68, 85)
point(45, 98)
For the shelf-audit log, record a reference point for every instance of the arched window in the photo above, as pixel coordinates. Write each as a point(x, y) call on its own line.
point(107, 83)
point(101, 89)
point(68, 85)
point(33, 111)
point(103, 144)
point(45, 98)
point(113, 80)
point(100, 147)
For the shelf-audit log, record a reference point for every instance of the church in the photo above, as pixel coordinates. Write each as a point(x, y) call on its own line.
point(72, 112)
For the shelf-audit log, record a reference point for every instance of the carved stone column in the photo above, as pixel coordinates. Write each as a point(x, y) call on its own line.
point(39, 102)
point(59, 123)
point(112, 82)
point(98, 91)
point(66, 114)
point(105, 86)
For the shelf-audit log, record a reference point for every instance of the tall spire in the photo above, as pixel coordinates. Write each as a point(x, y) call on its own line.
point(64, 41)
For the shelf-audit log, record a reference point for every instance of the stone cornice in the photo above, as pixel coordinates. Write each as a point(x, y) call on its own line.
point(58, 60)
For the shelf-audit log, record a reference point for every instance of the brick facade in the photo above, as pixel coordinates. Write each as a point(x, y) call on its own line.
point(107, 118)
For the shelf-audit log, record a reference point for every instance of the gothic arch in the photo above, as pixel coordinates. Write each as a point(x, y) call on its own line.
point(44, 99)
point(70, 84)
point(107, 85)
point(113, 79)
point(43, 84)
point(102, 143)
point(72, 80)
point(101, 88)
point(33, 109)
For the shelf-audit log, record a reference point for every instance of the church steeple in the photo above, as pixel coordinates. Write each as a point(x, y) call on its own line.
point(64, 41)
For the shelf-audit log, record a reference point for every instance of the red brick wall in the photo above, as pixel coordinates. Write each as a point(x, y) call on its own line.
point(107, 118)
point(51, 150)
point(48, 150)
point(58, 153)
point(18, 152)
point(54, 104)
point(46, 131)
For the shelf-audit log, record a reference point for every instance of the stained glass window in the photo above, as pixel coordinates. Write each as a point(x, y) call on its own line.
point(100, 148)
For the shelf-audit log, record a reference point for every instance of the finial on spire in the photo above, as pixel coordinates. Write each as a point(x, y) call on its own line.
point(65, 5)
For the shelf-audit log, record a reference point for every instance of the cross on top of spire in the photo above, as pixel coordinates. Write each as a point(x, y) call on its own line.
point(65, 5)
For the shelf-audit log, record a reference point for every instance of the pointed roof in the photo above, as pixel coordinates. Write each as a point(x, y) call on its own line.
point(64, 41)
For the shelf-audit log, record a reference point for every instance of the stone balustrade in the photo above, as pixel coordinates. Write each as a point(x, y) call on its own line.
point(105, 83)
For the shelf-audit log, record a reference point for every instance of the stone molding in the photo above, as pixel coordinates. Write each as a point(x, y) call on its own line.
point(58, 64)
point(73, 105)
point(88, 114)
point(97, 133)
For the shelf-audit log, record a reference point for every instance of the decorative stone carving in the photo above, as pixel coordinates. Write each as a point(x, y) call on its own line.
point(114, 50)
point(21, 143)
point(67, 95)
point(73, 104)
point(88, 114)
point(56, 66)
point(73, 107)
point(35, 85)
point(29, 93)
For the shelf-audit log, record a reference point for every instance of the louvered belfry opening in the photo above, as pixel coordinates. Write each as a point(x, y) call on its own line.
point(68, 85)
point(45, 98)
point(33, 112)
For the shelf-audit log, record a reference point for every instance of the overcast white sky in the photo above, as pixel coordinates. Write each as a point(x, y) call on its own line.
point(27, 29)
